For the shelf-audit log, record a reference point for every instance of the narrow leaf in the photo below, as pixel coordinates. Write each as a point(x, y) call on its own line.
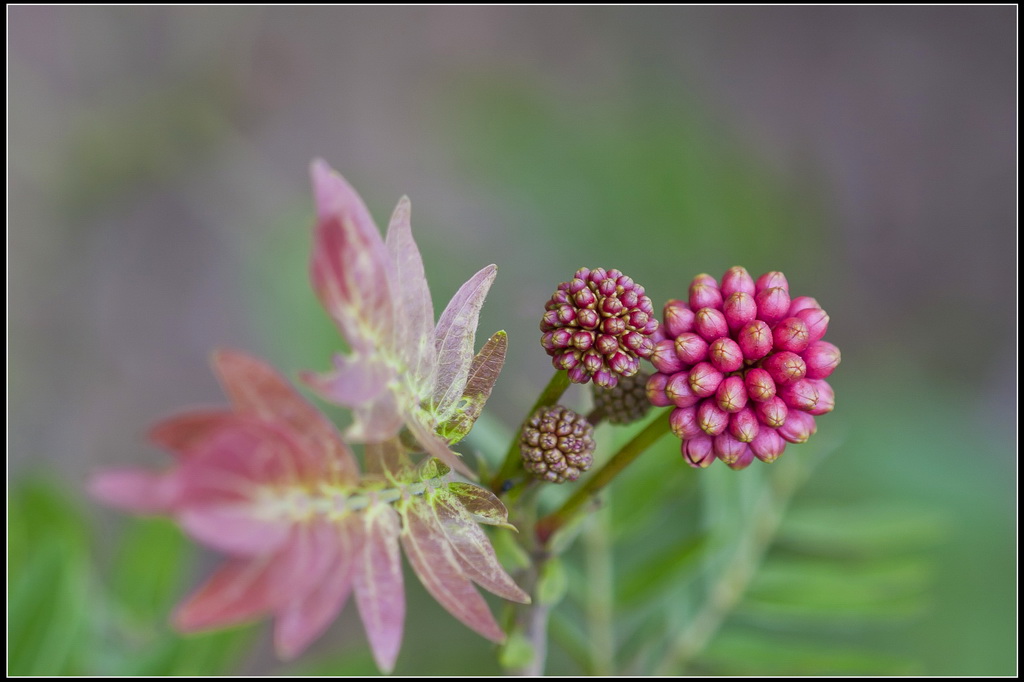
point(136, 490)
point(454, 336)
point(483, 373)
point(433, 560)
point(377, 579)
point(414, 311)
point(474, 550)
point(437, 447)
point(237, 592)
point(182, 432)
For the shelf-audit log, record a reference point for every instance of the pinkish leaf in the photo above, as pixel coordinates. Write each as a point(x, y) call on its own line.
point(378, 584)
point(350, 264)
point(474, 550)
point(300, 621)
point(182, 432)
point(354, 381)
point(453, 339)
point(376, 421)
point(481, 504)
point(482, 374)
point(437, 447)
point(237, 592)
point(136, 490)
point(255, 387)
point(386, 458)
point(414, 322)
point(434, 561)
point(233, 528)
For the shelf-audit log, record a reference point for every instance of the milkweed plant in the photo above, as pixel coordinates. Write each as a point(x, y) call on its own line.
point(307, 516)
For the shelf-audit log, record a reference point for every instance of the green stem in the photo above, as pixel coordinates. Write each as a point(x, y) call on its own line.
point(512, 464)
point(547, 526)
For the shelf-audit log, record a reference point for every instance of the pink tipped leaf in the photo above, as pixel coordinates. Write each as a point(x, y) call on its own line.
point(350, 263)
point(474, 550)
point(136, 490)
point(434, 562)
point(414, 310)
point(181, 433)
point(237, 592)
point(454, 337)
point(301, 621)
point(255, 387)
point(378, 584)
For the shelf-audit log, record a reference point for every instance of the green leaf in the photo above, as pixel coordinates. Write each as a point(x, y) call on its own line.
point(651, 579)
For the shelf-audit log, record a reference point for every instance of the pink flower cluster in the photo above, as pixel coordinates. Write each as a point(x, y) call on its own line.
point(745, 367)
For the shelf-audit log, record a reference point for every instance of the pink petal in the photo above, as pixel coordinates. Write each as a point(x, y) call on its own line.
point(136, 490)
point(454, 336)
point(237, 592)
point(301, 621)
point(434, 561)
point(474, 550)
point(350, 265)
point(414, 314)
point(378, 584)
point(437, 447)
point(255, 387)
point(182, 432)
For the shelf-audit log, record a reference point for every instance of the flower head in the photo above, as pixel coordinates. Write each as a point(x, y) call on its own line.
point(626, 403)
point(745, 367)
point(598, 326)
point(403, 369)
point(556, 444)
point(270, 483)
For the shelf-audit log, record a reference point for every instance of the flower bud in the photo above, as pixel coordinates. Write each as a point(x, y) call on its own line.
point(800, 394)
point(678, 318)
point(798, 428)
point(743, 461)
point(767, 445)
point(785, 367)
point(816, 320)
point(826, 397)
point(772, 413)
point(656, 390)
point(739, 309)
point(725, 354)
point(699, 451)
point(755, 339)
point(791, 334)
point(711, 418)
point(704, 379)
point(605, 378)
point(731, 395)
point(578, 375)
point(704, 295)
point(664, 357)
point(737, 279)
point(691, 348)
point(821, 358)
point(760, 385)
point(771, 280)
point(728, 448)
point(710, 324)
point(684, 424)
point(802, 303)
point(772, 304)
point(705, 279)
point(744, 425)
point(679, 391)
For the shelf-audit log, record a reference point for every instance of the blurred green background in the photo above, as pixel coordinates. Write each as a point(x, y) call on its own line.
point(158, 207)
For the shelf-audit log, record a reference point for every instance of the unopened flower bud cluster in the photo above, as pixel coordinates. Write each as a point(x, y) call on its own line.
point(744, 365)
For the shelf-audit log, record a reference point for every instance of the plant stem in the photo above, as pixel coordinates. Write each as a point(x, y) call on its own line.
point(547, 526)
point(600, 607)
point(549, 396)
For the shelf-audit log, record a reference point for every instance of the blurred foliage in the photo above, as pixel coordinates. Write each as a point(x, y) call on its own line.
point(71, 612)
